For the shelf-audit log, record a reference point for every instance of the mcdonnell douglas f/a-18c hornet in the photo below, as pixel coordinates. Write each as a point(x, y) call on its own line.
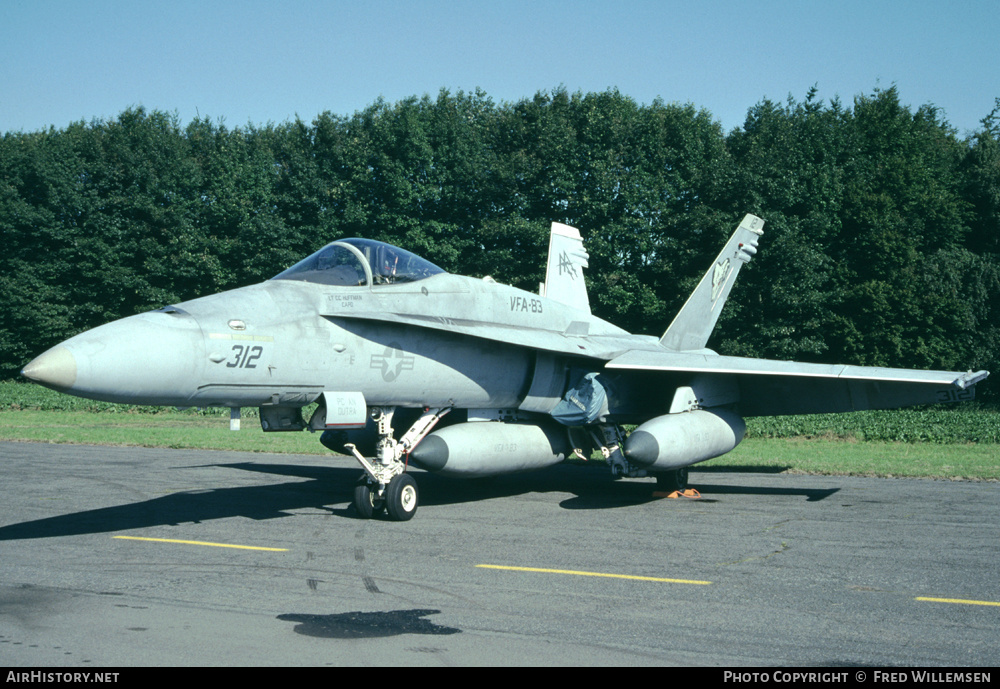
point(464, 376)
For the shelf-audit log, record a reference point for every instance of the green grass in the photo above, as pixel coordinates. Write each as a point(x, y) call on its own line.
point(970, 461)
point(968, 423)
point(164, 429)
point(953, 443)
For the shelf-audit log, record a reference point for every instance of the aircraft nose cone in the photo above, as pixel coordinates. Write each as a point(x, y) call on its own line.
point(152, 358)
point(54, 368)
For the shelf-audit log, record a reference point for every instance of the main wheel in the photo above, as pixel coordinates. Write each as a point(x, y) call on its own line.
point(401, 498)
point(670, 481)
point(366, 500)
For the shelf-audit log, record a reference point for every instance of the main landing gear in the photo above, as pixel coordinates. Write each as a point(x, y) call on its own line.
point(611, 438)
point(670, 481)
point(385, 486)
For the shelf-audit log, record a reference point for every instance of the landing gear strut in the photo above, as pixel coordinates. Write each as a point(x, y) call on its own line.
point(385, 485)
point(669, 481)
point(610, 441)
point(610, 438)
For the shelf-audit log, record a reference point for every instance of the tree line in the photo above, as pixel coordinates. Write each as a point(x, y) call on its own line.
point(882, 242)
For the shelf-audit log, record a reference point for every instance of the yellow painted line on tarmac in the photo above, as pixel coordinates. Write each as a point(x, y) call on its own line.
point(214, 545)
point(959, 601)
point(594, 574)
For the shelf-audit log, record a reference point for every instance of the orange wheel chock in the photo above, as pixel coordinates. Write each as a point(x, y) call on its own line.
point(690, 493)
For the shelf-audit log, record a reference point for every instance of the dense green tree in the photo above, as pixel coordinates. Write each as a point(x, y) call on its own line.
point(788, 164)
point(639, 181)
point(881, 244)
point(981, 178)
point(868, 214)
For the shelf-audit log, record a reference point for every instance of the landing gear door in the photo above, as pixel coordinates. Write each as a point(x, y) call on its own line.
point(340, 410)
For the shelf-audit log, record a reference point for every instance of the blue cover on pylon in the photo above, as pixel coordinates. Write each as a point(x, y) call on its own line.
point(583, 402)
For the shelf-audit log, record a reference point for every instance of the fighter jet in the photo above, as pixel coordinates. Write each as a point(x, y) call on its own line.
point(467, 377)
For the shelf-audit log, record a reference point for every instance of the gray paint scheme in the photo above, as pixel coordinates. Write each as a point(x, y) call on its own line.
point(393, 331)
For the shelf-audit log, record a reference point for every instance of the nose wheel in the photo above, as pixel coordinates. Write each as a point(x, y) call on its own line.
point(401, 498)
point(398, 498)
point(367, 502)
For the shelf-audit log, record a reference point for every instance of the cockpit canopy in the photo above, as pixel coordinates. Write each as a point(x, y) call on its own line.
point(360, 262)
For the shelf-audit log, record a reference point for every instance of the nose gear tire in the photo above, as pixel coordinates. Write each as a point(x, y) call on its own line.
point(401, 498)
point(366, 502)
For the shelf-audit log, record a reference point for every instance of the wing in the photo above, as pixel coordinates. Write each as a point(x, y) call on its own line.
point(763, 388)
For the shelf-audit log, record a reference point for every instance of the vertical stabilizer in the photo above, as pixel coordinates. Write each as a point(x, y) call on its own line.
point(694, 323)
point(564, 271)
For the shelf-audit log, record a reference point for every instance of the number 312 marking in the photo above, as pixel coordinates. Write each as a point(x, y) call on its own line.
point(956, 395)
point(244, 357)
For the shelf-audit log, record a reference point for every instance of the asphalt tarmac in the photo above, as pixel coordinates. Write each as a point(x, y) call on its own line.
point(558, 567)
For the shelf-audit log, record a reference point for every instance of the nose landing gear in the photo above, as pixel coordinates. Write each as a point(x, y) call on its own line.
point(385, 485)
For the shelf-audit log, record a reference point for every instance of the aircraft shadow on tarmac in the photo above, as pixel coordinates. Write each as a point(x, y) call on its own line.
point(367, 625)
point(591, 487)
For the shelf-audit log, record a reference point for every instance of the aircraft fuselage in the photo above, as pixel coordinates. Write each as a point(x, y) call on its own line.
point(283, 342)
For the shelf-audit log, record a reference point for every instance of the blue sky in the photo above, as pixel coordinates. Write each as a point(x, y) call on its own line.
point(259, 62)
